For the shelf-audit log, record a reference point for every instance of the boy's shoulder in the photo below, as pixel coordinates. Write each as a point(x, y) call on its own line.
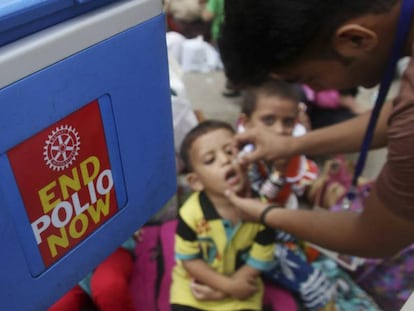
point(193, 206)
point(198, 206)
point(191, 202)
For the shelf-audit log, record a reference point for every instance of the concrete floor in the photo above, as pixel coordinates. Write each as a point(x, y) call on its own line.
point(204, 93)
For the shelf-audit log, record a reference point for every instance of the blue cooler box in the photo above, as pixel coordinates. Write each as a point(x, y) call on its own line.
point(86, 141)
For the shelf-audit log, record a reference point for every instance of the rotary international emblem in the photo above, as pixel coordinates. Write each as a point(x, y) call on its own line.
point(61, 147)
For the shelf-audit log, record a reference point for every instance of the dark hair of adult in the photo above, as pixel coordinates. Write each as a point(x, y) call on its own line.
point(196, 132)
point(271, 87)
point(259, 36)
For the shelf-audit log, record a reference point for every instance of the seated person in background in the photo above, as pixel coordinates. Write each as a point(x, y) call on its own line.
point(330, 189)
point(184, 16)
point(328, 107)
point(213, 13)
point(219, 257)
point(276, 105)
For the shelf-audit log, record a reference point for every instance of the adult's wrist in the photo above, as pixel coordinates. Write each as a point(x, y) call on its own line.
point(296, 145)
point(265, 212)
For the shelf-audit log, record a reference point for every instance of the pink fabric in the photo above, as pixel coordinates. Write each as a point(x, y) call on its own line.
point(279, 299)
point(328, 99)
point(144, 275)
point(167, 240)
point(309, 93)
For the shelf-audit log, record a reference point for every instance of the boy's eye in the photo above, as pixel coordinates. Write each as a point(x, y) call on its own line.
point(209, 160)
point(289, 122)
point(229, 150)
point(268, 120)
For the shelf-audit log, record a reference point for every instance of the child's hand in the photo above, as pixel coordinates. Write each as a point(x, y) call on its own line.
point(204, 292)
point(138, 235)
point(243, 287)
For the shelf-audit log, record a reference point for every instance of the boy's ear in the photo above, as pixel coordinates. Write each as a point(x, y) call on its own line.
point(353, 40)
point(194, 182)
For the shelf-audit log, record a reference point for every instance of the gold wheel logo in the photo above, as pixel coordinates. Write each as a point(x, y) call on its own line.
point(61, 148)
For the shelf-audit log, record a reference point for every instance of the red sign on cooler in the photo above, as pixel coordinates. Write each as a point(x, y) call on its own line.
point(65, 180)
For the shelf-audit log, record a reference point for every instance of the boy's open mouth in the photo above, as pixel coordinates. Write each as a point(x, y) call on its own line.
point(232, 177)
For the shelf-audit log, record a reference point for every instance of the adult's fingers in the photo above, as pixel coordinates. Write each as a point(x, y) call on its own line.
point(249, 157)
point(249, 146)
point(250, 209)
point(246, 137)
point(244, 143)
point(243, 202)
point(234, 198)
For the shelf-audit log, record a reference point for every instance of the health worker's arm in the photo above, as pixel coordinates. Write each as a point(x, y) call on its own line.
point(374, 232)
point(343, 137)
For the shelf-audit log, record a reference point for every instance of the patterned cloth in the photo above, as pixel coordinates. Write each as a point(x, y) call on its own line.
point(292, 269)
point(293, 272)
point(298, 175)
point(390, 281)
point(317, 283)
point(348, 296)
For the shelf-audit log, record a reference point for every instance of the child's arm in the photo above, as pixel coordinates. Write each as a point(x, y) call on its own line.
point(260, 258)
point(235, 286)
point(205, 293)
point(247, 272)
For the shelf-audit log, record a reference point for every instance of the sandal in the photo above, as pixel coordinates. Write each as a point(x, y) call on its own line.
point(331, 187)
point(329, 190)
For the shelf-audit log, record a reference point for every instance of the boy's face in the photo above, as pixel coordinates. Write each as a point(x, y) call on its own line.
point(276, 113)
point(214, 166)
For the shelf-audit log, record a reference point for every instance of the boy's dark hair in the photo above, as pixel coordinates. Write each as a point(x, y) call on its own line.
point(269, 88)
point(196, 132)
point(258, 36)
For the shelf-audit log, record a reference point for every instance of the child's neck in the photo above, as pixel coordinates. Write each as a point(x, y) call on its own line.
point(224, 207)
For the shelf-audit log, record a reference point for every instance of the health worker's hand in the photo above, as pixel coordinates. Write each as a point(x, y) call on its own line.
point(267, 145)
point(249, 209)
